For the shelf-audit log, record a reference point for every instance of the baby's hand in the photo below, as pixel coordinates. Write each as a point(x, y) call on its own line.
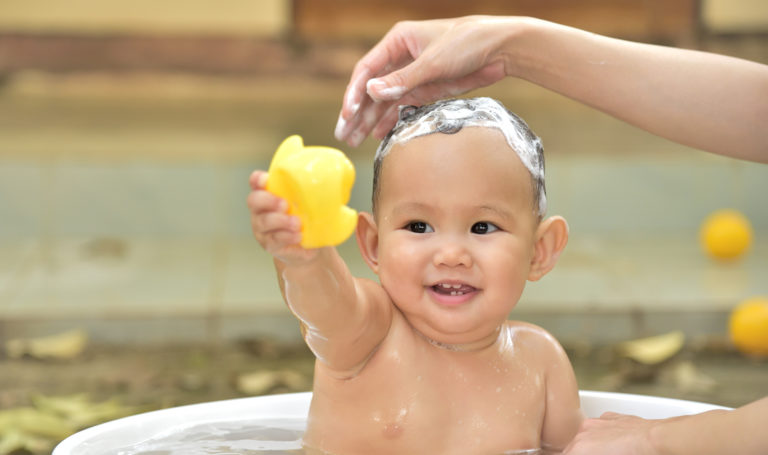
point(277, 232)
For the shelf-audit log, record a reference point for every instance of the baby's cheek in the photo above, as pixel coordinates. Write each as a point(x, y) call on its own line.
point(399, 252)
point(400, 264)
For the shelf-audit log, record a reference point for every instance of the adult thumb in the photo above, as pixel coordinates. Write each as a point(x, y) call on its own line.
point(395, 84)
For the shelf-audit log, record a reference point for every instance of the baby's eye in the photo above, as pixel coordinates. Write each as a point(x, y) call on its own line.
point(419, 227)
point(484, 227)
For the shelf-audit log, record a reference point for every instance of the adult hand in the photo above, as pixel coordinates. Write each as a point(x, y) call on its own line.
point(420, 62)
point(613, 434)
point(699, 99)
point(713, 432)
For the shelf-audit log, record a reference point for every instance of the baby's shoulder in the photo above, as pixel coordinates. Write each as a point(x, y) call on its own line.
point(531, 338)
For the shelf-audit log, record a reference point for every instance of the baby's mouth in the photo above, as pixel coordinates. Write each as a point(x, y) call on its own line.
point(453, 289)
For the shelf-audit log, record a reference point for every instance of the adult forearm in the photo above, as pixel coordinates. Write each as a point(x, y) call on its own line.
point(740, 431)
point(703, 100)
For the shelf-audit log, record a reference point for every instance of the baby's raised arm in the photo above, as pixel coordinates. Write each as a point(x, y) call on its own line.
point(343, 318)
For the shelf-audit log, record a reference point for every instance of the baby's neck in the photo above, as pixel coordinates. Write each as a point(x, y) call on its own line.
point(472, 346)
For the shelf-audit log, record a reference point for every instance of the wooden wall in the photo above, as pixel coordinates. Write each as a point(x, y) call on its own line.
point(311, 37)
point(647, 20)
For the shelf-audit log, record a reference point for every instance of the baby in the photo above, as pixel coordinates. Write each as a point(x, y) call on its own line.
point(426, 361)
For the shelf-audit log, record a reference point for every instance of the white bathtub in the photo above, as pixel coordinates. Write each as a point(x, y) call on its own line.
point(135, 429)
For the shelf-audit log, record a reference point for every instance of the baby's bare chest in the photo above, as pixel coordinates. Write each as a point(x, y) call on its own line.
point(411, 403)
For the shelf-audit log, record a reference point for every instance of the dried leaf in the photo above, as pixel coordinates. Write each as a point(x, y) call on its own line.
point(653, 350)
point(261, 382)
point(65, 345)
point(35, 422)
point(80, 411)
point(37, 429)
point(257, 383)
point(14, 441)
point(687, 378)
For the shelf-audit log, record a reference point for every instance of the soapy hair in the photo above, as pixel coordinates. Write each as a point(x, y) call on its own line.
point(449, 117)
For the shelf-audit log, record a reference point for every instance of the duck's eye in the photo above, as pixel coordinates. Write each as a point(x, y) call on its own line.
point(483, 227)
point(419, 227)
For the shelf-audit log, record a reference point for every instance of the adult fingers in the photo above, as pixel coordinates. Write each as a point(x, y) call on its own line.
point(357, 128)
point(353, 95)
point(378, 117)
point(397, 83)
point(358, 111)
point(386, 121)
point(399, 47)
point(388, 54)
point(388, 114)
point(434, 91)
point(368, 119)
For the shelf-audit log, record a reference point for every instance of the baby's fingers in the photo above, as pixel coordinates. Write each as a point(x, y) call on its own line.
point(258, 180)
point(275, 231)
point(279, 241)
point(260, 201)
point(270, 222)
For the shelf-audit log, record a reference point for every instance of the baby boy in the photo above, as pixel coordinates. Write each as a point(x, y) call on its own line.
point(425, 361)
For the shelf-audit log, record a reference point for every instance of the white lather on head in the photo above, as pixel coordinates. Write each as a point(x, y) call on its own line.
point(450, 116)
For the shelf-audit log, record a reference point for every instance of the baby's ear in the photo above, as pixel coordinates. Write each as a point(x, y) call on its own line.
point(367, 234)
point(551, 238)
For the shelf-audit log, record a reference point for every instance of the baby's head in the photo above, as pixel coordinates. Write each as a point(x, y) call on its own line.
point(457, 228)
point(449, 117)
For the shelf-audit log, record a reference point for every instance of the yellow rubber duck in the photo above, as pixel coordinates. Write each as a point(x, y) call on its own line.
point(316, 181)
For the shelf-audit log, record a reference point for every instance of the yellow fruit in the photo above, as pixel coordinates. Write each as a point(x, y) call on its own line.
point(748, 326)
point(726, 234)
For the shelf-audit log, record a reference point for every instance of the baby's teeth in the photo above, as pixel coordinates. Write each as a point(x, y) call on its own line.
point(453, 288)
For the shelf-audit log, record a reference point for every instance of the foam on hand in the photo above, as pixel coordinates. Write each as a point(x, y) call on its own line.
point(316, 182)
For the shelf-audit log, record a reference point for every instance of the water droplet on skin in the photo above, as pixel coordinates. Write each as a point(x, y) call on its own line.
point(392, 430)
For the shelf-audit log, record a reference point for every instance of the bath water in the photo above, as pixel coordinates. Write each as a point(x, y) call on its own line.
point(242, 437)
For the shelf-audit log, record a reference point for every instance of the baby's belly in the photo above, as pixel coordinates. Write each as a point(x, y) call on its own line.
point(421, 422)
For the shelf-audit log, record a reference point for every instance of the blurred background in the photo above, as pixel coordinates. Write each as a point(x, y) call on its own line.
point(129, 279)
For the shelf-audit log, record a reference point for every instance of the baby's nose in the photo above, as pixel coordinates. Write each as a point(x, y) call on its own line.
point(453, 254)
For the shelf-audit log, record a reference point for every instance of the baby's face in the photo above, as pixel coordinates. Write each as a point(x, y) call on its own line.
point(456, 231)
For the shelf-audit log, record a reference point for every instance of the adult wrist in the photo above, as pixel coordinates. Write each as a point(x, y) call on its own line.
point(658, 437)
point(521, 45)
point(695, 433)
